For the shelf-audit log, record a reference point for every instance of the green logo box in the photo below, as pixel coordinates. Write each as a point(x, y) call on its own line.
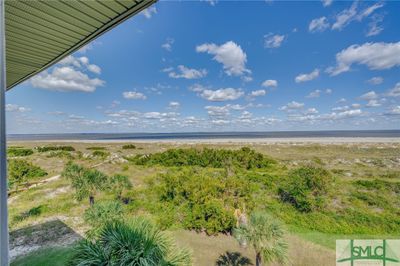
point(368, 252)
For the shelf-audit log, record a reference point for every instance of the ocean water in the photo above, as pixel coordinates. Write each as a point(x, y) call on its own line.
point(210, 135)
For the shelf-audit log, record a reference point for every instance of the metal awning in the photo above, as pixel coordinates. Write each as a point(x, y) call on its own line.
point(41, 32)
point(35, 34)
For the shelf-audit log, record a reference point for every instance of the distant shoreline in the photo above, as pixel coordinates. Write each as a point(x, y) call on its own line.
point(213, 137)
point(323, 140)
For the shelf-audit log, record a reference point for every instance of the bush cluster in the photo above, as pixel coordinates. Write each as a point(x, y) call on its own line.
point(245, 158)
point(202, 200)
point(17, 152)
point(100, 154)
point(129, 147)
point(55, 148)
point(21, 171)
point(306, 188)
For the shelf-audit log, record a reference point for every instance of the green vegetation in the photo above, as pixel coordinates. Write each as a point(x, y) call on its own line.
point(55, 256)
point(128, 147)
point(100, 154)
point(118, 184)
point(33, 212)
point(55, 148)
point(245, 158)
point(138, 242)
point(22, 172)
point(204, 200)
point(306, 188)
point(102, 213)
point(321, 193)
point(266, 236)
point(18, 152)
point(86, 182)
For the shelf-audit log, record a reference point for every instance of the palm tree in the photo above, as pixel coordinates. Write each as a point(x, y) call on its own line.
point(137, 242)
point(86, 182)
point(266, 235)
point(118, 184)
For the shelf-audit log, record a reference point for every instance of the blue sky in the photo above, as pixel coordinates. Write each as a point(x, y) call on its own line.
point(225, 66)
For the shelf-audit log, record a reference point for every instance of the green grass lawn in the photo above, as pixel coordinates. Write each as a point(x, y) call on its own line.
point(45, 257)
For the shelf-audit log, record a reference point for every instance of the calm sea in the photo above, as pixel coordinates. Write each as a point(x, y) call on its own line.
point(210, 135)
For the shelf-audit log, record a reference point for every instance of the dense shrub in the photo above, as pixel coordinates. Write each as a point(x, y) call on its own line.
point(218, 158)
point(306, 188)
point(100, 154)
point(129, 147)
point(55, 148)
point(16, 152)
point(202, 200)
point(21, 171)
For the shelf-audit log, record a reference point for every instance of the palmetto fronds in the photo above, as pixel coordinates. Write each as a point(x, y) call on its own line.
point(138, 242)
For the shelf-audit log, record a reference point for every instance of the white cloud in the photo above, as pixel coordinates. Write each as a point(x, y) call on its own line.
point(293, 105)
point(273, 41)
point(314, 94)
point(328, 91)
point(326, 3)
point(229, 54)
point(66, 79)
point(149, 12)
point(395, 92)
point(16, 108)
point(311, 111)
point(197, 88)
point(307, 77)
point(345, 17)
point(211, 2)
point(187, 73)
point(257, 93)
point(270, 83)
point(371, 95)
point(346, 114)
point(351, 14)
point(373, 103)
point(342, 100)
point(318, 25)
point(374, 27)
point(376, 56)
point(174, 105)
point(218, 111)
point(375, 80)
point(133, 95)
point(394, 111)
point(168, 44)
point(94, 68)
point(220, 122)
point(228, 94)
point(368, 11)
point(69, 75)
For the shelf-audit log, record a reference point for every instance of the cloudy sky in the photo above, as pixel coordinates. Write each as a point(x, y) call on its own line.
point(225, 66)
